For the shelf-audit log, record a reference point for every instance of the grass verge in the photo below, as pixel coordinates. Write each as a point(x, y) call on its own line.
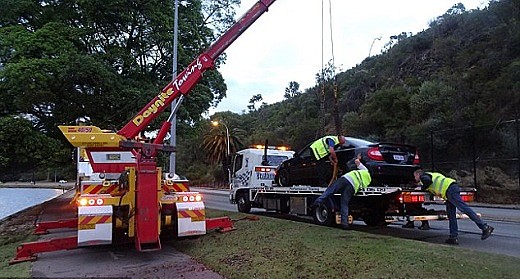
point(273, 248)
point(7, 252)
point(15, 230)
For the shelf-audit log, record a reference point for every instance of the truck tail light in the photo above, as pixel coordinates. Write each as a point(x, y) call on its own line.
point(374, 154)
point(263, 169)
point(416, 159)
point(467, 196)
point(409, 197)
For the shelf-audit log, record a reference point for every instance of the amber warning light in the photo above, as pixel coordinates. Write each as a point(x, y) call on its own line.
point(270, 147)
point(90, 201)
point(190, 197)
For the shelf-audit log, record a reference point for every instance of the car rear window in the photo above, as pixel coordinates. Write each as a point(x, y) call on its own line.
point(357, 142)
point(275, 160)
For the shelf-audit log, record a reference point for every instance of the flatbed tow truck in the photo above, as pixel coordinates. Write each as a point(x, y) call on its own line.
point(252, 186)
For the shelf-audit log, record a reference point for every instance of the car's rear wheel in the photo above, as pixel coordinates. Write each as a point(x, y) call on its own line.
point(283, 178)
point(323, 215)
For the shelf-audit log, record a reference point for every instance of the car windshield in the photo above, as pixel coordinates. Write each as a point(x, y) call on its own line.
point(358, 142)
point(275, 160)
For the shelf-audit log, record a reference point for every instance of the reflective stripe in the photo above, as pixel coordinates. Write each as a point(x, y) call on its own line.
point(440, 184)
point(321, 148)
point(357, 176)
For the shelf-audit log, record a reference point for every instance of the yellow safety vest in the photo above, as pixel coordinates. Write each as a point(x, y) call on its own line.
point(361, 179)
point(440, 184)
point(321, 148)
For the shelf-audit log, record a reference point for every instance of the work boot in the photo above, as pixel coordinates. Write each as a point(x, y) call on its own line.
point(452, 241)
point(424, 226)
point(487, 232)
point(408, 225)
point(344, 227)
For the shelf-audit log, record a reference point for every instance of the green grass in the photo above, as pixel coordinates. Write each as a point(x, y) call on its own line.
point(274, 248)
point(8, 246)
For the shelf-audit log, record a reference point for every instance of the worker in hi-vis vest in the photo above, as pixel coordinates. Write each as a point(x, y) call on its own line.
point(323, 148)
point(448, 189)
point(348, 185)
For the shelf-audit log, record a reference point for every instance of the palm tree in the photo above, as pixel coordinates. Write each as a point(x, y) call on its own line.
point(215, 145)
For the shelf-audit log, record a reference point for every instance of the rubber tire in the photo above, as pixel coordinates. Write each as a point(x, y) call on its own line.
point(283, 179)
point(243, 204)
point(374, 218)
point(323, 215)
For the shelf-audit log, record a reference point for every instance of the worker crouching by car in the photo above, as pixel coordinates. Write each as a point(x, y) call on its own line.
point(322, 148)
point(348, 185)
point(448, 189)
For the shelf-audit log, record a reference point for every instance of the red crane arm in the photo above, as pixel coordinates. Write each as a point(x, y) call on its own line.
point(188, 78)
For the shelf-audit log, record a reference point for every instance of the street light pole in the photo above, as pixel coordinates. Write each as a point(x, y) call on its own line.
point(173, 123)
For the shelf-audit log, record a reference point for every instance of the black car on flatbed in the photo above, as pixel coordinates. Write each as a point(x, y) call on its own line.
point(389, 163)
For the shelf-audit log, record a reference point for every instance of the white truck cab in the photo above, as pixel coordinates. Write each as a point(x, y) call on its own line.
point(255, 167)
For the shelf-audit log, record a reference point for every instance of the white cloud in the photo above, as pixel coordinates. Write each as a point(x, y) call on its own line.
point(285, 44)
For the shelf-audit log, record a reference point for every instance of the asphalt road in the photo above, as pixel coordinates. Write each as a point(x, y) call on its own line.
point(505, 239)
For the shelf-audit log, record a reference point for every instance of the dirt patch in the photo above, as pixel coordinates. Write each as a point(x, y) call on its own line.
point(21, 223)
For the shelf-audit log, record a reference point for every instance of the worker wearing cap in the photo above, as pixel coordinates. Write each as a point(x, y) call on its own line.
point(348, 185)
point(448, 189)
point(322, 148)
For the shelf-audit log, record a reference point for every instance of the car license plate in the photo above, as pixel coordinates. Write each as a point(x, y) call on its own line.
point(399, 157)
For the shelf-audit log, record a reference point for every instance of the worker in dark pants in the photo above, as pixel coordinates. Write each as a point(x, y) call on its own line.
point(322, 148)
point(448, 189)
point(348, 185)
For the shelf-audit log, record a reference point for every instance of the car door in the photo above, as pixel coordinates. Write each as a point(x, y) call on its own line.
point(303, 169)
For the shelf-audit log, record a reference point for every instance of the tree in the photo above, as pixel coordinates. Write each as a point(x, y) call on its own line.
point(25, 149)
point(256, 98)
point(61, 60)
point(219, 14)
point(215, 144)
point(326, 81)
point(292, 90)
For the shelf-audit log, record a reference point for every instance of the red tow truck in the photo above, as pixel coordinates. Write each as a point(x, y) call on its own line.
point(126, 197)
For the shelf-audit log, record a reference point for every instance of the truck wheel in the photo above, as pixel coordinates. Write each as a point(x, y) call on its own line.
point(283, 178)
point(243, 204)
point(374, 218)
point(323, 215)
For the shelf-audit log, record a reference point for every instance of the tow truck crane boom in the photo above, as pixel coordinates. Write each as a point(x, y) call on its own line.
point(188, 78)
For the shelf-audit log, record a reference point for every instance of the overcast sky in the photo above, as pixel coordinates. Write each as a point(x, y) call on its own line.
point(285, 44)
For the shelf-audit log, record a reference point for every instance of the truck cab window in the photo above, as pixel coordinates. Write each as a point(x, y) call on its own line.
point(238, 163)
